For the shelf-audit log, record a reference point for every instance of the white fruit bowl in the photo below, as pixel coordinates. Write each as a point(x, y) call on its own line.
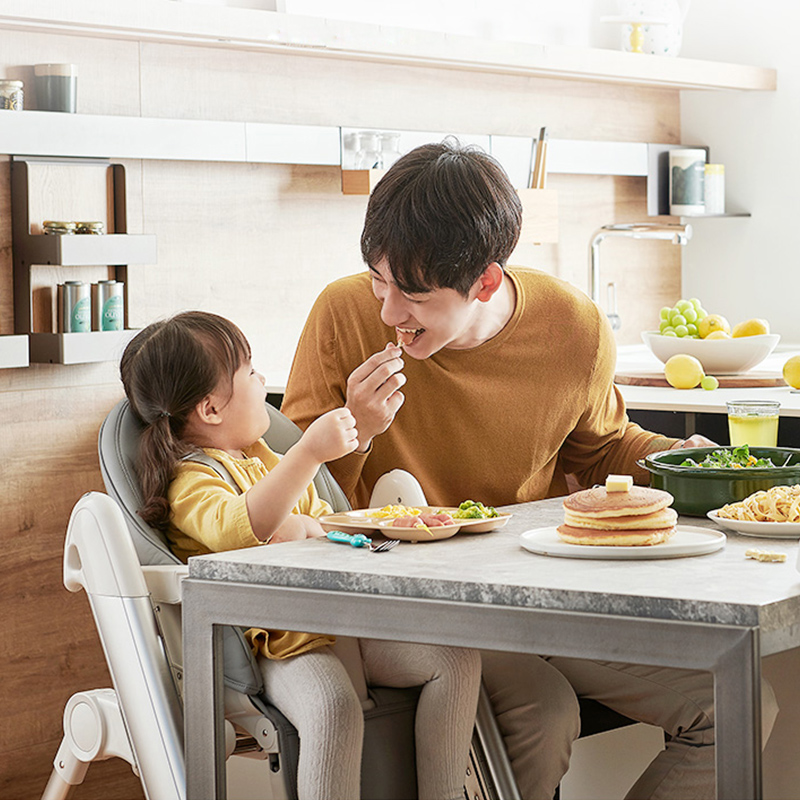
point(718, 356)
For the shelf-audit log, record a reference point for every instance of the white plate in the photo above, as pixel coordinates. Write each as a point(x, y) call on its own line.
point(363, 519)
point(762, 530)
point(684, 542)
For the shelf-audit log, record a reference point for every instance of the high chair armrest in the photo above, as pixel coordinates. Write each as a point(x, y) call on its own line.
point(164, 582)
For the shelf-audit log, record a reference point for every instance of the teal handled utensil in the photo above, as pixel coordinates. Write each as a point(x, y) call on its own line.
point(359, 540)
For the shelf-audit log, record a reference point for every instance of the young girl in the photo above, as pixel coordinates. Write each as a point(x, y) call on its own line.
point(190, 381)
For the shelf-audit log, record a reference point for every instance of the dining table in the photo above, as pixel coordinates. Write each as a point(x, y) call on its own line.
point(718, 611)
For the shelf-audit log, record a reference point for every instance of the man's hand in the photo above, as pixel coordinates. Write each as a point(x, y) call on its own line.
point(373, 393)
point(695, 440)
point(331, 436)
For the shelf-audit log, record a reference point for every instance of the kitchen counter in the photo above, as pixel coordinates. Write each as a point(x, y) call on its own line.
point(638, 358)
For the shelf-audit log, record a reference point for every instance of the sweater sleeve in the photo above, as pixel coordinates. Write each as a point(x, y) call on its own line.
point(318, 383)
point(605, 441)
point(206, 509)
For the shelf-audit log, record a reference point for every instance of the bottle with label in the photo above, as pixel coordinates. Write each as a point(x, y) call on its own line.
point(686, 182)
point(74, 307)
point(108, 306)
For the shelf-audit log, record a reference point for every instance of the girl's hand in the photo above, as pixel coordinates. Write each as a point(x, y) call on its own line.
point(332, 435)
point(296, 527)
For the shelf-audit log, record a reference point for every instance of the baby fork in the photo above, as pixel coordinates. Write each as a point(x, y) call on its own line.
point(359, 540)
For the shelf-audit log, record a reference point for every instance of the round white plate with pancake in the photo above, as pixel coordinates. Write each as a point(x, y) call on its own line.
point(761, 530)
point(684, 542)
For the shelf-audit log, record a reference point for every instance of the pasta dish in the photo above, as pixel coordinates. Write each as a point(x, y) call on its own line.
point(778, 504)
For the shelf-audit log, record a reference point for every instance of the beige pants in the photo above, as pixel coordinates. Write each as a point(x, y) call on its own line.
point(316, 694)
point(536, 708)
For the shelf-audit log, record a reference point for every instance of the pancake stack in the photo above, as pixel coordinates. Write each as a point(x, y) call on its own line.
point(636, 516)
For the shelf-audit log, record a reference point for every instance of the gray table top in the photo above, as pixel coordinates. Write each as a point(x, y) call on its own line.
point(722, 587)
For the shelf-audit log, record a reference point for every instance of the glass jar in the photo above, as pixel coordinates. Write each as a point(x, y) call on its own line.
point(714, 189)
point(11, 95)
point(90, 227)
point(390, 148)
point(58, 227)
point(369, 153)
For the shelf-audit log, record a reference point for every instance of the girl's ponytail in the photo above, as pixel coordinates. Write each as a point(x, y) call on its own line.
point(167, 369)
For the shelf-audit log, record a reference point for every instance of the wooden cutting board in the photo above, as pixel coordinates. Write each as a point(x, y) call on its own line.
point(744, 381)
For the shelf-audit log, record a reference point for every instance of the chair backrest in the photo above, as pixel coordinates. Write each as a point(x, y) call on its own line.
point(118, 444)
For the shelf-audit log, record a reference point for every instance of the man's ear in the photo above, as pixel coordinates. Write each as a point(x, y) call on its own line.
point(489, 282)
point(207, 410)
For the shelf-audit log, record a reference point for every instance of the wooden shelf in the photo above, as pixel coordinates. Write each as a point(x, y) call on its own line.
point(248, 29)
point(14, 352)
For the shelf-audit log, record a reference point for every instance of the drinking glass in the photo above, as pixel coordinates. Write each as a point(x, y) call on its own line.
point(753, 422)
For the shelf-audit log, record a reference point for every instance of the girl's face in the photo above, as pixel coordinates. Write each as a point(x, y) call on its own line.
point(244, 415)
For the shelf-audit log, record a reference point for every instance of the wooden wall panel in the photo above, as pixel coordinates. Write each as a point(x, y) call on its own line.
point(256, 243)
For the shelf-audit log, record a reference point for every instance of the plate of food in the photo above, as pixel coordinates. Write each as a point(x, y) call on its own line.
point(408, 522)
point(685, 541)
point(621, 521)
point(772, 513)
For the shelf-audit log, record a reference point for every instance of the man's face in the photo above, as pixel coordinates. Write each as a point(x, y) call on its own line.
point(427, 322)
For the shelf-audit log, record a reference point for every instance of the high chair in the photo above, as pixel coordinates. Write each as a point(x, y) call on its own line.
point(132, 581)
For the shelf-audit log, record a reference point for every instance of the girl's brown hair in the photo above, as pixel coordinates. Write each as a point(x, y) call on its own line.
point(166, 370)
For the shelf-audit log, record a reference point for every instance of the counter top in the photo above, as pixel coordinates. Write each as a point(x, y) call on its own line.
point(493, 568)
point(638, 358)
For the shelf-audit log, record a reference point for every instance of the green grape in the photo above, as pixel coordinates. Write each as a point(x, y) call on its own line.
point(692, 329)
point(664, 313)
point(709, 383)
point(681, 331)
point(681, 305)
point(670, 332)
point(664, 325)
point(696, 303)
point(701, 313)
point(667, 329)
point(690, 315)
point(678, 320)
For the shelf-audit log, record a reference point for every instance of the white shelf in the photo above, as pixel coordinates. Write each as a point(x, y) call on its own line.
point(14, 351)
point(248, 29)
point(79, 348)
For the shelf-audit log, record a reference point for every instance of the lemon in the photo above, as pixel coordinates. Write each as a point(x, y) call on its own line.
point(750, 327)
point(719, 335)
point(791, 372)
point(683, 371)
point(711, 323)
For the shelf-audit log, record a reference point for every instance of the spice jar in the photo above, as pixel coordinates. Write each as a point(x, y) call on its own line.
point(714, 189)
point(90, 227)
point(58, 227)
point(11, 95)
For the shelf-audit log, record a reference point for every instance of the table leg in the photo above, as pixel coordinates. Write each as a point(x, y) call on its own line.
point(737, 709)
point(203, 712)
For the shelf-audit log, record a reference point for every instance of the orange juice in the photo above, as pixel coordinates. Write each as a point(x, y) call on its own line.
point(757, 431)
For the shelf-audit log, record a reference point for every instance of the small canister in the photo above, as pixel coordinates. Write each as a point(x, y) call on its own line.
point(108, 306)
point(96, 228)
point(74, 307)
point(11, 95)
point(715, 188)
point(58, 227)
point(686, 182)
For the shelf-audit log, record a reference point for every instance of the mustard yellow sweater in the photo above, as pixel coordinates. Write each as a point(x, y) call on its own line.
point(503, 422)
point(209, 516)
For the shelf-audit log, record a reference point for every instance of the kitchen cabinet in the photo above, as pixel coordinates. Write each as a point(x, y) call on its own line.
point(42, 184)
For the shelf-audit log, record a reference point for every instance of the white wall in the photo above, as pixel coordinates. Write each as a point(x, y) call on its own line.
point(748, 268)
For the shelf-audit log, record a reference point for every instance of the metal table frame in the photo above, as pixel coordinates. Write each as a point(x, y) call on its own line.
point(730, 652)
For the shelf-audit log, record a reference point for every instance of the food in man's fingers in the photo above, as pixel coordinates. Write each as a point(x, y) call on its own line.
point(618, 514)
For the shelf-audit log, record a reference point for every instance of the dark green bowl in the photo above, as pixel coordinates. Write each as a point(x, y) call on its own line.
point(698, 491)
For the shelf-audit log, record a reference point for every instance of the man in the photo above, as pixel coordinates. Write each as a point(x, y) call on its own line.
point(507, 389)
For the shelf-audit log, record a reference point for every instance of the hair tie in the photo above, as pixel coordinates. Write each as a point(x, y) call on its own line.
point(164, 414)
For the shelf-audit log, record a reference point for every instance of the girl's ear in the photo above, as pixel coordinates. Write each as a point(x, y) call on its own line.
point(207, 410)
point(489, 282)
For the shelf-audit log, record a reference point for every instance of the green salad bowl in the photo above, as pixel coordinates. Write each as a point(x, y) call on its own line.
point(698, 490)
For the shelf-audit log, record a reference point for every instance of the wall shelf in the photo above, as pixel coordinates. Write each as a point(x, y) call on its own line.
point(14, 352)
point(116, 249)
point(257, 30)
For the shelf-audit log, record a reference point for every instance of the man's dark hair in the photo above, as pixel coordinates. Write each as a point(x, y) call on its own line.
point(440, 216)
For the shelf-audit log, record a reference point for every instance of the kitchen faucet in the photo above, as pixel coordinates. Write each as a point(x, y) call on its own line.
point(677, 234)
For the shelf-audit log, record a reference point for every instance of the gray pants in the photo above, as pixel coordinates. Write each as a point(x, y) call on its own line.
point(315, 692)
point(535, 703)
